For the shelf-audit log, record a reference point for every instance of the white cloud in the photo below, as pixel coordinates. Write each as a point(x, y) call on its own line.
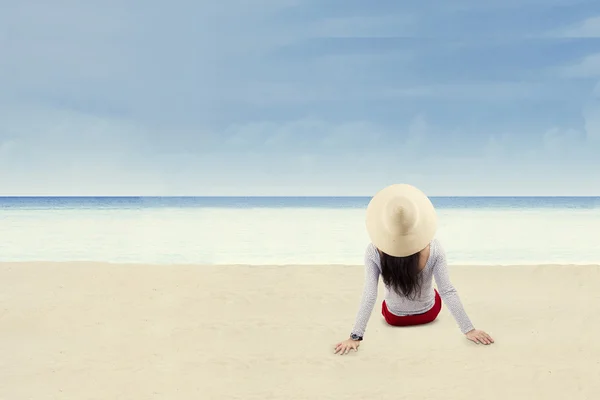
point(588, 28)
point(558, 146)
point(7, 148)
point(596, 91)
point(591, 113)
point(488, 91)
point(68, 131)
point(364, 26)
point(77, 156)
point(353, 135)
point(495, 147)
point(104, 61)
point(418, 131)
point(64, 152)
point(563, 143)
point(308, 134)
point(588, 67)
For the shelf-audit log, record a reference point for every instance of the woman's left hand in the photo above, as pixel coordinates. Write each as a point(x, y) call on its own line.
point(479, 337)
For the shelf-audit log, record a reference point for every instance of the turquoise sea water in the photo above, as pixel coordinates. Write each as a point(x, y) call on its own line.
point(287, 230)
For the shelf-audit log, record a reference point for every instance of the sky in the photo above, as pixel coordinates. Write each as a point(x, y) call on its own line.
point(299, 97)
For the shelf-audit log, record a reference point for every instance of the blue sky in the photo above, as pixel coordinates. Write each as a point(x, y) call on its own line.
point(292, 97)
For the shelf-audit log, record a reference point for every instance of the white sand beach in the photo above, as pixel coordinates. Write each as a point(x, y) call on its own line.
point(104, 331)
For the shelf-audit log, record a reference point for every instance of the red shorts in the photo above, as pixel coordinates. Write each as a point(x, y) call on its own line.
point(417, 319)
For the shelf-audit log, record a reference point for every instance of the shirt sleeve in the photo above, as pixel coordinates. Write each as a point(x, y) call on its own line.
point(369, 295)
point(447, 291)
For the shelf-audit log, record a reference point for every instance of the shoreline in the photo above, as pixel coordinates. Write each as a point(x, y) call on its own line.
point(97, 331)
point(196, 265)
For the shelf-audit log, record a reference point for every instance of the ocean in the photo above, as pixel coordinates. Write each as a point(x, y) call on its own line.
point(287, 230)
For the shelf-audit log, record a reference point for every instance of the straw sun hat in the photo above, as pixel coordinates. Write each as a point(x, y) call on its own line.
point(401, 220)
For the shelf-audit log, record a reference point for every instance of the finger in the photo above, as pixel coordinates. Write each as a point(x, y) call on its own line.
point(474, 340)
point(489, 338)
point(347, 350)
point(337, 350)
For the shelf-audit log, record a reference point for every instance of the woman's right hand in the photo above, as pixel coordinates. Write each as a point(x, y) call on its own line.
point(345, 346)
point(477, 337)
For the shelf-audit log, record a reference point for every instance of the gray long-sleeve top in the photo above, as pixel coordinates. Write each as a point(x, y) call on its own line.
point(436, 267)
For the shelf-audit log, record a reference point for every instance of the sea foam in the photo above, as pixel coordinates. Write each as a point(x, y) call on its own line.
point(278, 236)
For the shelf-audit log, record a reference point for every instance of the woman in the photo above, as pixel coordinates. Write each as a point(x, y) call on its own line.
point(401, 222)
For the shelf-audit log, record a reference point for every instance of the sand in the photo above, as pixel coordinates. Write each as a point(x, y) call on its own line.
point(100, 331)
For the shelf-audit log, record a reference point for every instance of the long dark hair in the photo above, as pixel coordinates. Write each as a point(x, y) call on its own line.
point(402, 274)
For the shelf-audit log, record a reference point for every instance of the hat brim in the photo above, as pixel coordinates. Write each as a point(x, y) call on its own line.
point(393, 243)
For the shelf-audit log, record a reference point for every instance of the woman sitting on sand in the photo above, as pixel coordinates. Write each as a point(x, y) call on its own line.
point(401, 222)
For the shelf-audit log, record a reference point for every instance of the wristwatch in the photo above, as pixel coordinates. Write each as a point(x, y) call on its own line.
point(354, 336)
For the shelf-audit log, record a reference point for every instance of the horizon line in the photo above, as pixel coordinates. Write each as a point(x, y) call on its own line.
point(278, 196)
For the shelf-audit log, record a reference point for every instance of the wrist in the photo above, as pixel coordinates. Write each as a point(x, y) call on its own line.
point(355, 337)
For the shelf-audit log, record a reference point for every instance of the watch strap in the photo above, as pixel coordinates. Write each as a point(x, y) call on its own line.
point(354, 336)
